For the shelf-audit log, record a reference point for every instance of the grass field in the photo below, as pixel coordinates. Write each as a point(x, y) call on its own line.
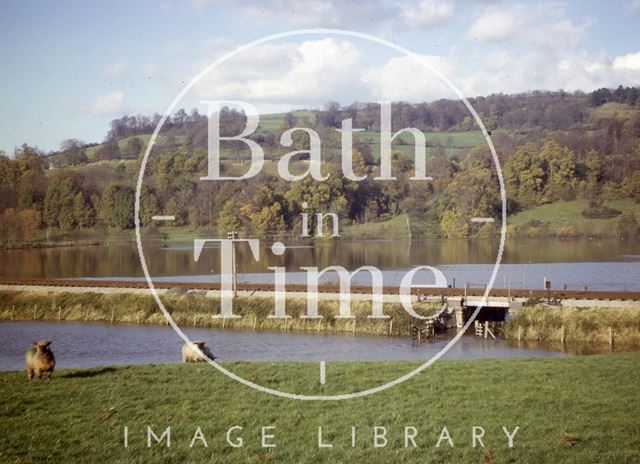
point(568, 410)
point(564, 213)
point(91, 151)
point(611, 109)
point(396, 227)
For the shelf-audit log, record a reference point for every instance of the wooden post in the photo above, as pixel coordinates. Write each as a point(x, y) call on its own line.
point(194, 319)
point(138, 317)
point(519, 332)
point(59, 313)
point(562, 334)
point(354, 326)
point(286, 323)
point(319, 322)
point(224, 322)
point(86, 315)
point(611, 337)
point(486, 329)
point(13, 308)
point(113, 310)
point(390, 326)
point(35, 312)
point(255, 321)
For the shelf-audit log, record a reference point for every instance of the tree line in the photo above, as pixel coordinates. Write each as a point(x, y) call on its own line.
point(598, 163)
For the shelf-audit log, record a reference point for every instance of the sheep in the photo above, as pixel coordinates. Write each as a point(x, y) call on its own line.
point(39, 359)
point(199, 352)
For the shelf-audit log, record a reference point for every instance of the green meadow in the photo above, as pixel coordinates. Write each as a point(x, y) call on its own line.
point(568, 410)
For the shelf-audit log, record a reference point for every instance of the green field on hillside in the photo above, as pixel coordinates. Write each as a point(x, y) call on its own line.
point(568, 213)
point(570, 410)
point(610, 109)
point(91, 151)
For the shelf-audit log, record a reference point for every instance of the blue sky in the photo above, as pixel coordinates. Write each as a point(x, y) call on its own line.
point(69, 67)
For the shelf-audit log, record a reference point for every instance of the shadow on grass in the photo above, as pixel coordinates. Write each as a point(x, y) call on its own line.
point(88, 373)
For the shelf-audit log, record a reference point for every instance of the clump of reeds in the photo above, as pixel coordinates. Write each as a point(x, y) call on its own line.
point(199, 310)
point(579, 325)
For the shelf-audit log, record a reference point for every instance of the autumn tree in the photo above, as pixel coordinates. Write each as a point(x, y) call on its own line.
point(59, 203)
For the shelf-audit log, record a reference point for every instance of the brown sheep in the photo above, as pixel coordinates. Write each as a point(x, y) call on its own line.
point(39, 359)
point(197, 353)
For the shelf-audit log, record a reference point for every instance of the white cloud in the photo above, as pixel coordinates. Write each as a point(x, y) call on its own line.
point(428, 13)
point(409, 79)
point(110, 104)
point(311, 72)
point(115, 70)
point(629, 61)
point(494, 26)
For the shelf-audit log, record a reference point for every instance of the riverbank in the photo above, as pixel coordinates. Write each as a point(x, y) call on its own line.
point(196, 310)
point(577, 325)
point(571, 410)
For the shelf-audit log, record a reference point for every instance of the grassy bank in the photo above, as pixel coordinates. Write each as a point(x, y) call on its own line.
point(577, 325)
point(196, 310)
point(570, 410)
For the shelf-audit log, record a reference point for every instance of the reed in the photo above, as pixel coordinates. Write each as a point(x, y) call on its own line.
point(185, 308)
point(577, 325)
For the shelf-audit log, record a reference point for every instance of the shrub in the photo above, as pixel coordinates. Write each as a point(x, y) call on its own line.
point(568, 232)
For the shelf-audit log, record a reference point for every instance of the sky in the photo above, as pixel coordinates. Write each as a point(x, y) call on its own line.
point(70, 67)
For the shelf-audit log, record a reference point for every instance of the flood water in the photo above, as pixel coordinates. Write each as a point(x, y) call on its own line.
point(596, 264)
point(84, 345)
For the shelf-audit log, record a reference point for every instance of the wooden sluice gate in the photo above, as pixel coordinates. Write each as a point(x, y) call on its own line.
point(443, 320)
point(488, 329)
point(420, 333)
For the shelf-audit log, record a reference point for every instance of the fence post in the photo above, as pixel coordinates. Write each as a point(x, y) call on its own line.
point(354, 326)
point(562, 334)
point(611, 336)
point(35, 312)
point(519, 332)
point(194, 319)
point(12, 310)
point(255, 321)
point(138, 317)
point(486, 329)
point(112, 314)
point(390, 326)
point(59, 313)
point(319, 322)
